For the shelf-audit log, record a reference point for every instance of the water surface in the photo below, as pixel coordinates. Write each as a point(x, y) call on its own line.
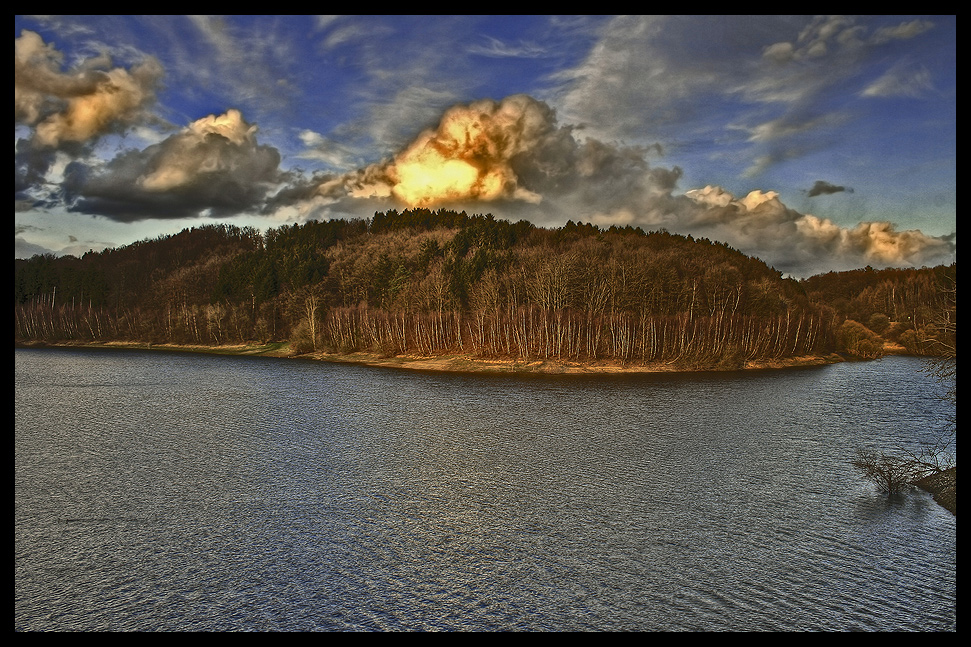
point(178, 492)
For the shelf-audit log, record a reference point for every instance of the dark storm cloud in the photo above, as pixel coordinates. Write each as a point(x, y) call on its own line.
point(213, 167)
point(821, 187)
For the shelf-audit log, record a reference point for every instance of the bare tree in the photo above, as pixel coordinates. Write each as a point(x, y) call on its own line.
point(891, 474)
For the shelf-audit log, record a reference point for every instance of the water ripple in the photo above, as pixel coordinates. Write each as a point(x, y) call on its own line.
point(187, 493)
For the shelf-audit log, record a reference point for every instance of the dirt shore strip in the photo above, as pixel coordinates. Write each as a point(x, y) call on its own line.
point(943, 486)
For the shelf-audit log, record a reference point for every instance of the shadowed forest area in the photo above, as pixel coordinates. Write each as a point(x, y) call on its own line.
point(424, 283)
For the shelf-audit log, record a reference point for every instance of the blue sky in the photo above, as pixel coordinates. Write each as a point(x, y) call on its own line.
point(816, 143)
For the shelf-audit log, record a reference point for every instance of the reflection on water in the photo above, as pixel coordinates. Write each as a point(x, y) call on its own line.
point(180, 492)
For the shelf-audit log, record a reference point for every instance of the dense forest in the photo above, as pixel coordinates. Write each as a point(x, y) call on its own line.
point(427, 282)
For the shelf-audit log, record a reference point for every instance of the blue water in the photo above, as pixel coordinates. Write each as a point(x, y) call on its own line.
point(178, 492)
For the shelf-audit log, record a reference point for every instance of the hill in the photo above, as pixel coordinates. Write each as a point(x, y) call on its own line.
point(429, 283)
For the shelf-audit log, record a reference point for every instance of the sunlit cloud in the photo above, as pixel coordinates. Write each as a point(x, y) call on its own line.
point(81, 104)
point(469, 156)
point(762, 225)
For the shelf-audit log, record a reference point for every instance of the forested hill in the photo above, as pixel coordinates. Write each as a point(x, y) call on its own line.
point(427, 282)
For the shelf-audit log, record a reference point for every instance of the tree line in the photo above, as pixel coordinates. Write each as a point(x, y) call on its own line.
point(913, 308)
point(433, 282)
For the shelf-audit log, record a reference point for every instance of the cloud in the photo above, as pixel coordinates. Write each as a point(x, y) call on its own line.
point(214, 167)
point(826, 35)
point(79, 105)
point(902, 31)
point(766, 87)
point(821, 187)
point(495, 48)
point(250, 64)
point(635, 79)
point(761, 225)
point(470, 156)
point(876, 243)
point(511, 154)
point(324, 150)
point(391, 124)
point(31, 166)
point(24, 249)
point(900, 81)
point(65, 113)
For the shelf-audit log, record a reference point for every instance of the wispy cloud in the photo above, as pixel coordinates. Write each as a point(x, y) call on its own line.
point(641, 81)
point(901, 81)
point(498, 49)
point(903, 31)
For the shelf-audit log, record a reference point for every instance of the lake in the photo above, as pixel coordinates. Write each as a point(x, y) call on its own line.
point(177, 492)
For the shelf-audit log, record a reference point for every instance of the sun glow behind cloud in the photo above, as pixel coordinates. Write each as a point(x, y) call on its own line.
point(468, 157)
point(428, 177)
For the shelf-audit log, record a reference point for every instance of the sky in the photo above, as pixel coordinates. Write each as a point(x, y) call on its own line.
point(816, 143)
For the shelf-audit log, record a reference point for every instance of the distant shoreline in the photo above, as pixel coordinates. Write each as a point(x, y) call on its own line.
point(445, 363)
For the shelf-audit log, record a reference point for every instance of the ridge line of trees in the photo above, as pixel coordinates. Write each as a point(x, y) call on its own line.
point(431, 282)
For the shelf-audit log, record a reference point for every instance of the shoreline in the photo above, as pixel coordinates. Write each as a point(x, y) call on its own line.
point(451, 363)
point(943, 487)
